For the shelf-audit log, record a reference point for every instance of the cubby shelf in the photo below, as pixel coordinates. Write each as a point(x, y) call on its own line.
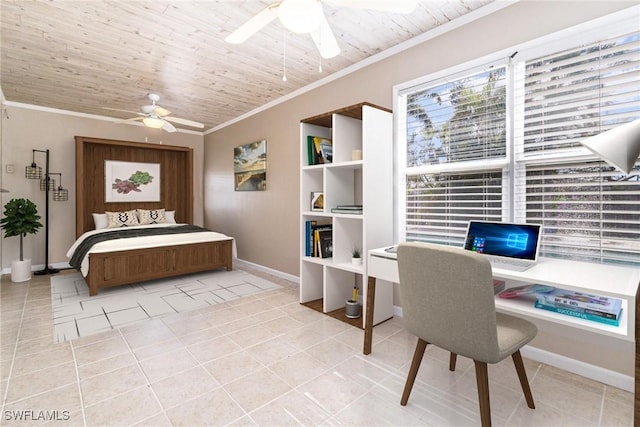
point(326, 283)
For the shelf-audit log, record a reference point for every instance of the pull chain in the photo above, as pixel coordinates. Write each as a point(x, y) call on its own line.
point(284, 57)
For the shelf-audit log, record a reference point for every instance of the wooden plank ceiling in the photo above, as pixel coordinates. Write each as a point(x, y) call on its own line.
point(85, 55)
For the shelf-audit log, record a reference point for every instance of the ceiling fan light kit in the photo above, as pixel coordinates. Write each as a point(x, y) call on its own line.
point(300, 16)
point(153, 122)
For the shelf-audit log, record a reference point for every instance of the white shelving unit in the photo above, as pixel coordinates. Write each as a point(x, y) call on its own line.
point(326, 283)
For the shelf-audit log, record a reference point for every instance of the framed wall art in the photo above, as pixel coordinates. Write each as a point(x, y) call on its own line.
point(250, 166)
point(131, 181)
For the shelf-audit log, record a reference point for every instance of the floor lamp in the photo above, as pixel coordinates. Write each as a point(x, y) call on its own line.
point(48, 185)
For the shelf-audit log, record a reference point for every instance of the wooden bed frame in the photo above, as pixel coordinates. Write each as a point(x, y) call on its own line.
point(176, 193)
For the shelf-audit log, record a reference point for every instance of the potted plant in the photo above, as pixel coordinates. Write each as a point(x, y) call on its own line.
point(20, 218)
point(355, 256)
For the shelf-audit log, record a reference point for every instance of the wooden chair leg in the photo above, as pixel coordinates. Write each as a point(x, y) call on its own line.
point(522, 375)
point(452, 361)
point(413, 371)
point(482, 380)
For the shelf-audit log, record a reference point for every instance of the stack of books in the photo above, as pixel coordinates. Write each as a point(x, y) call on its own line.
point(584, 306)
point(319, 150)
point(348, 209)
point(318, 239)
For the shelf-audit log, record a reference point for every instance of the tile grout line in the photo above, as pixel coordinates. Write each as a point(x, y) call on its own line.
point(148, 383)
point(15, 348)
point(75, 364)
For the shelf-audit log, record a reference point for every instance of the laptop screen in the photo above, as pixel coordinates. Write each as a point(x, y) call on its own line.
point(519, 241)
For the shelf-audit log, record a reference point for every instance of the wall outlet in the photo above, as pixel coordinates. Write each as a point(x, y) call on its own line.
point(10, 168)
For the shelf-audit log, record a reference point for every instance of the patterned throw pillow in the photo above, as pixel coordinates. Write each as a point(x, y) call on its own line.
point(122, 219)
point(155, 216)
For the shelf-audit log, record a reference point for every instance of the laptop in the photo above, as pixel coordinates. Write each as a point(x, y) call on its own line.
point(508, 246)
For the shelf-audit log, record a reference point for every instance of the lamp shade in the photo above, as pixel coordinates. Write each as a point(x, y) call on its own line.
point(153, 122)
point(620, 146)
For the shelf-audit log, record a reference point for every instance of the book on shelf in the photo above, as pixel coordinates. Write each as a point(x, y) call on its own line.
point(498, 286)
point(578, 314)
point(312, 229)
point(319, 150)
point(583, 300)
point(348, 209)
point(325, 243)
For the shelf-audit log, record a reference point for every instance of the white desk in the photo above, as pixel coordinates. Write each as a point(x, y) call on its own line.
point(607, 280)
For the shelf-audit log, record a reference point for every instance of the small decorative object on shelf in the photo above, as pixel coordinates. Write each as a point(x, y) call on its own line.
point(352, 309)
point(317, 201)
point(355, 256)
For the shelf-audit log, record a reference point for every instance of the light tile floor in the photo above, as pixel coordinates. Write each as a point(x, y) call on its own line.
point(262, 360)
point(76, 314)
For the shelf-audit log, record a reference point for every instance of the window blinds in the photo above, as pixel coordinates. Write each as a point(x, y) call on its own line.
point(577, 93)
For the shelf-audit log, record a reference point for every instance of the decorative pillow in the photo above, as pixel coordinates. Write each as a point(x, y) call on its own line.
point(122, 219)
point(101, 221)
point(154, 216)
point(170, 217)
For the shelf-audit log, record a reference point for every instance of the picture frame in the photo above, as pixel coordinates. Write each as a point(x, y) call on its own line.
point(131, 181)
point(317, 201)
point(250, 166)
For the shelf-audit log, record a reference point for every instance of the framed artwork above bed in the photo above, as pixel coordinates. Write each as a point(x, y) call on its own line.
point(131, 181)
point(162, 173)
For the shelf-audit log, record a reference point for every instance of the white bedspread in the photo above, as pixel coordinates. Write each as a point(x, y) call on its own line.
point(145, 242)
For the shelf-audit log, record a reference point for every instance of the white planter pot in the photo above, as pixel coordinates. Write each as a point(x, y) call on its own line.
point(21, 270)
point(356, 261)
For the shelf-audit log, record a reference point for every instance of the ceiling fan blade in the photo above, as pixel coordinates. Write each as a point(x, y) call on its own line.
point(124, 111)
point(132, 119)
point(184, 122)
point(392, 6)
point(253, 25)
point(325, 40)
point(168, 126)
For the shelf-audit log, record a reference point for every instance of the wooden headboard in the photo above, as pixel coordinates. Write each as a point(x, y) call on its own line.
point(176, 185)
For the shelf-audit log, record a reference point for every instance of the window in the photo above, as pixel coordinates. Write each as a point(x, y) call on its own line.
point(501, 142)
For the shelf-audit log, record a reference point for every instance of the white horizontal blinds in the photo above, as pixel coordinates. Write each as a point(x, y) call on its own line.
point(588, 212)
point(439, 206)
point(576, 93)
point(459, 120)
point(461, 123)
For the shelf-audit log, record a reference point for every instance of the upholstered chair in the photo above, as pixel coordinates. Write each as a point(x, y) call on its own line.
point(447, 300)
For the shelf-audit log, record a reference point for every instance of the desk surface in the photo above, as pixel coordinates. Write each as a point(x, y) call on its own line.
point(613, 280)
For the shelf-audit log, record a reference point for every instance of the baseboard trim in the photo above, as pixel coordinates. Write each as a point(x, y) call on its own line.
point(578, 367)
point(286, 276)
point(587, 370)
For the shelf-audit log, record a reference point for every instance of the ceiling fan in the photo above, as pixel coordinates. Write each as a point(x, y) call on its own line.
point(307, 17)
point(154, 116)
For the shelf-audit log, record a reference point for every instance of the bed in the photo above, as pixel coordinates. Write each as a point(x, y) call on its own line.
point(142, 258)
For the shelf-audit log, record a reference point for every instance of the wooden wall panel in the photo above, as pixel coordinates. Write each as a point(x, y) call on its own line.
point(176, 181)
